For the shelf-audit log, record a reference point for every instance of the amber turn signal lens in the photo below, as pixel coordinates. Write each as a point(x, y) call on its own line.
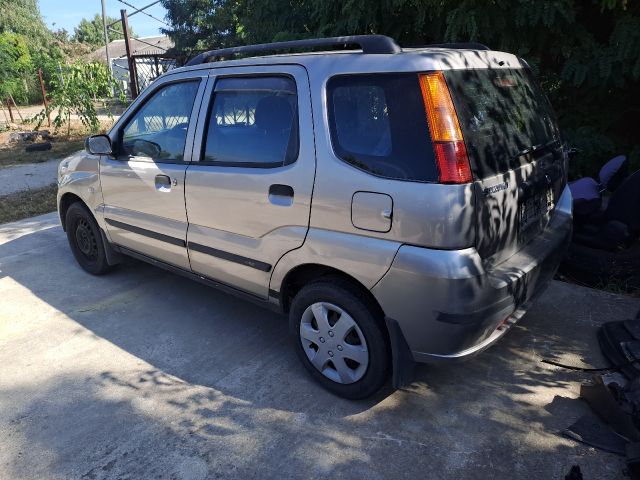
point(451, 154)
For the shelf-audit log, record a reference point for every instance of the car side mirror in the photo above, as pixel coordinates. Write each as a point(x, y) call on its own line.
point(98, 145)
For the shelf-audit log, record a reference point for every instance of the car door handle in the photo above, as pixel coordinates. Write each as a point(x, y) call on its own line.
point(163, 183)
point(281, 195)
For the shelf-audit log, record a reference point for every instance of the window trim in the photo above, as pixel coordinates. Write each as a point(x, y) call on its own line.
point(207, 119)
point(331, 127)
point(121, 156)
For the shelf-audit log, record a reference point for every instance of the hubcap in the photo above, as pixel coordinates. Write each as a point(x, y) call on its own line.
point(85, 240)
point(334, 343)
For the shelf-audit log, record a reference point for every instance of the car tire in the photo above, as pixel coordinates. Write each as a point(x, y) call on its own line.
point(347, 350)
point(85, 240)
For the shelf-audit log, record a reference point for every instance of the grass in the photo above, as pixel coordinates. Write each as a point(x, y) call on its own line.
point(59, 149)
point(28, 203)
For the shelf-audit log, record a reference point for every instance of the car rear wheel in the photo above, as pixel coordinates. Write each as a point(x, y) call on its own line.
point(340, 338)
point(85, 240)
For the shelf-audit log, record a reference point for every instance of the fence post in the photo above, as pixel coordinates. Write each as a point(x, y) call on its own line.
point(9, 108)
point(44, 97)
point(15, 105)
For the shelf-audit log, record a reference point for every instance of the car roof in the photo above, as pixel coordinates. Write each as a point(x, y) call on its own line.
point(411, 58)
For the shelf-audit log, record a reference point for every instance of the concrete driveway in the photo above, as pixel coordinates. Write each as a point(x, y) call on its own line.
point(143, 374)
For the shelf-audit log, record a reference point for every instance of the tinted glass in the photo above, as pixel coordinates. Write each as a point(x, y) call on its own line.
point(253, 122)
point(502, 112)
point(378, 124)
point(159, 129)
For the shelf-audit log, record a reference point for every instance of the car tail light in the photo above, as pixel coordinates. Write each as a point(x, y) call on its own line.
point(451, 153)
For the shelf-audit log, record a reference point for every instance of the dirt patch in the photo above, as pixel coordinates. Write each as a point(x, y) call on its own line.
point(13, 153)
point(28, 203)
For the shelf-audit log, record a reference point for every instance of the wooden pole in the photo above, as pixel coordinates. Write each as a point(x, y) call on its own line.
point(44, 97)
point(15, 105)
point(10, 111)
point(130, 60)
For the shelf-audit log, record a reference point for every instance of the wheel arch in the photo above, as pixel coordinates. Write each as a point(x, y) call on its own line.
point(302, 275)
point(66, 201)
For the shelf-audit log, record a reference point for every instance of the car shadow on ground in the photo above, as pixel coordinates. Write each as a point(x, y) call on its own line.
point(205, 382)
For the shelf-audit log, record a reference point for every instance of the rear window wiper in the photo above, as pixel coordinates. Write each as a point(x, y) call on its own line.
point(534, 148)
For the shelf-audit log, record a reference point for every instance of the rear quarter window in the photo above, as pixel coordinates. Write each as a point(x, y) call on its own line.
point(378, 124)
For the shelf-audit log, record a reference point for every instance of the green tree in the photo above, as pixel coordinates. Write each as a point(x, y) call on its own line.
point(74, 91)
point(92, 31)
point(15, 63)
point(202, 24)
point(585, 52)
point(23, 18)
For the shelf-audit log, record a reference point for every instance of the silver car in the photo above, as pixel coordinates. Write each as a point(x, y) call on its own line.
point(401, 205)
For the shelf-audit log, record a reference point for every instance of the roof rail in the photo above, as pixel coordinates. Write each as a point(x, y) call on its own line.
point(458, 46)
point(368, 43)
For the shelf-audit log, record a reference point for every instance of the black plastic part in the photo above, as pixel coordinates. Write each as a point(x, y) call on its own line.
point(590, 430)
point(614, 339)
point(370, 44)
point(606, 406)
point(113, 257)
point(147, 233)
point(458, 46)
point(402, 362)
point(230, 257)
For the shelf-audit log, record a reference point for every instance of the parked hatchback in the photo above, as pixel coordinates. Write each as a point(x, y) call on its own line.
point(401, 205)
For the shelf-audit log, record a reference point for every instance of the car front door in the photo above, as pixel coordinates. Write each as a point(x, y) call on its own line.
point(248, 195)
point(143, 181)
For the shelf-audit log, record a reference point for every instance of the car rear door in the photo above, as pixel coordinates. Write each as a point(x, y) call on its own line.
point(515, 153)
point(143, 181)
point(248, 190)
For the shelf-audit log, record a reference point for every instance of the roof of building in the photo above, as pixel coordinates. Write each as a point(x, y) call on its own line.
point(157, 45)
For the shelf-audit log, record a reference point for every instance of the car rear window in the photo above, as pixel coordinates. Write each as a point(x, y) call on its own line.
point(378, 124)
point(502, 112)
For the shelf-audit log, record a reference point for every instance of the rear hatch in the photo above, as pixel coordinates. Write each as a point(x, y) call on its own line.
point(515, 154)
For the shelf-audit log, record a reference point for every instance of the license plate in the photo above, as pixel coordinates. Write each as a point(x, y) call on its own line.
point(533, 210)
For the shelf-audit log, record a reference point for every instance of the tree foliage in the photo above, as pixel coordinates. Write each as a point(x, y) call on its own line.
point(92, 31)
point(74, 92)
point(23, 17)
point(15, 62)
point(585, 52)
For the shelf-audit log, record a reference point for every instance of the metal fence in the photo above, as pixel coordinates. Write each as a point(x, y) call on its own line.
point(150, 67)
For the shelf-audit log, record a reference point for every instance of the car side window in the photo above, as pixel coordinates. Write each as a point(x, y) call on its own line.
point(253, 122)
point(378, 124)
point(158, 130)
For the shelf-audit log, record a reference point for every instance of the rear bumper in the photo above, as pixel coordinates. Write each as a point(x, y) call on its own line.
point(450, 306)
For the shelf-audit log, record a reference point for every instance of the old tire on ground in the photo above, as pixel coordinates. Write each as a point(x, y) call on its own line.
point(85, 239)
point(340, 337)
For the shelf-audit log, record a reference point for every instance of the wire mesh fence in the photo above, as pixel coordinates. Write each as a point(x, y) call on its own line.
point(150, 67)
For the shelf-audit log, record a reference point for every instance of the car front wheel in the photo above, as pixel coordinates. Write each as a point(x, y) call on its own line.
point(340, 338)
point(83, 234)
